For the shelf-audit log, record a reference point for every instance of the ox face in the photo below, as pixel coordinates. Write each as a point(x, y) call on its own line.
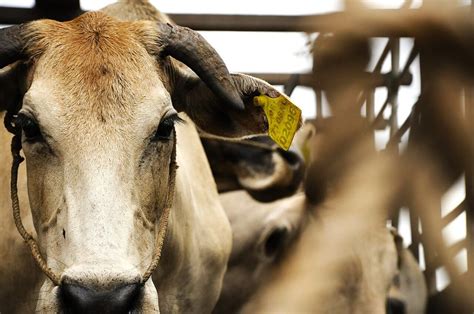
point(98, 131)
point(99, 141)
point(96, 195)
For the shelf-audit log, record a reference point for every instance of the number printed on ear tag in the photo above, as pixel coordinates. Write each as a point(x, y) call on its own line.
point(284, 118)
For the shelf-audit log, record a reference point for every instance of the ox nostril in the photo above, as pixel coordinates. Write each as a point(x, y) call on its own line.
point(275, 241)
point(290, 157)
point(79, 299)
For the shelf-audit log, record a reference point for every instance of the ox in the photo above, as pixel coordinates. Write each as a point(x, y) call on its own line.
point(96, 100)
point(263, 234)
point(266, 223)
point(256, 165)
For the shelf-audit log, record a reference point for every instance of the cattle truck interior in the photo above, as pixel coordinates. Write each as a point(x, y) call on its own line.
point(237, 157)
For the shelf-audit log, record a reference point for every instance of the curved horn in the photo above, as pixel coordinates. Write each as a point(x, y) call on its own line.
point(11, 44)
point(193, 50)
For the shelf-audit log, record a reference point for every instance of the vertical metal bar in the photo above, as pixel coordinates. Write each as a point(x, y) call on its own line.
point(470, 184)
point(393, 99)
point(393, 90)
point(370, 111)
point(370, 105)
point(470, 188)
point(319, 104)
point(469, 111)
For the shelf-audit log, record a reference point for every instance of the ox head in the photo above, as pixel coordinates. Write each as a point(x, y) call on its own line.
point(96, 100)
point(262, 235)
point(256, 165)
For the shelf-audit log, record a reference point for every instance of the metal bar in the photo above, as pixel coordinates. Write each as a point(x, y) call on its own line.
point(379, 116)
point(370, 106)
point(453, 250)
point(367, 96)
point(268, 23)
point(393, 95)
point(383, 56)
point(432, 222)
point(470, 189)
point(393, 89)
point(454, 213)
point(71, 5)
point(400, 81)
point(396, 138)
point(319, 104)
point(21, 15)
point(307, 79)
point(469, 178)
point(291, 84)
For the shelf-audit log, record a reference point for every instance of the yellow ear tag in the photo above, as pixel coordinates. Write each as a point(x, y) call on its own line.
point(284, 118)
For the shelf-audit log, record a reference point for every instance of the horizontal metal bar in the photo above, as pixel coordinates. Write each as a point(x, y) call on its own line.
point(70, 5)
point(259, 23)
point(307, 79)
point(375, 22)
point(205, 22)
point(321, 123)
point(453, 250)
point(22, 15)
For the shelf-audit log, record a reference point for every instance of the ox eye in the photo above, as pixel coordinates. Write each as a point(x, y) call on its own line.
point(30, 128)
point(166, 128)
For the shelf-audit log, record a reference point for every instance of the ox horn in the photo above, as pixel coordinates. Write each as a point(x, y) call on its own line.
point(193, 50)
point(11, 44)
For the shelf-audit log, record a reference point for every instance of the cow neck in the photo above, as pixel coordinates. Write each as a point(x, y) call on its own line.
point(33, 244)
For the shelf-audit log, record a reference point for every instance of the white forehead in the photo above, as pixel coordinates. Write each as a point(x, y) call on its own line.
point(60, 114)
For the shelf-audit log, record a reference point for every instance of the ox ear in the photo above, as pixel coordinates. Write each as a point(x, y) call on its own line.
point(213, 116)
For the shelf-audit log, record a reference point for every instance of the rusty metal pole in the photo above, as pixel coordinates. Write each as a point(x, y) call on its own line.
point(319, 104)
point(469, 105)
point(393, 100)
point(393, 90)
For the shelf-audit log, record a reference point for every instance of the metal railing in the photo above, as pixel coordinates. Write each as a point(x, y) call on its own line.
point(398, 76)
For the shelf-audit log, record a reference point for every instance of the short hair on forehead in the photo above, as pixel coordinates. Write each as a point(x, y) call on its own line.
point(96, 60)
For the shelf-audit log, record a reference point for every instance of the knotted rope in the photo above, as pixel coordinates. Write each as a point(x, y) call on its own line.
point(39, 260)
point(160, 239)
point(164, 219)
